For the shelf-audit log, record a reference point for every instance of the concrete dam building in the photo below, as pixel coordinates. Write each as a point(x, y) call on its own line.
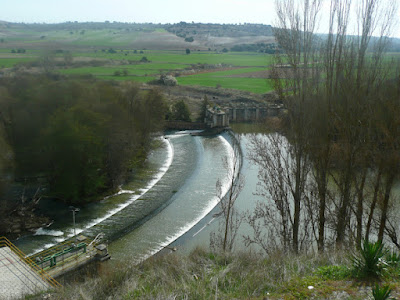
point(217, 116)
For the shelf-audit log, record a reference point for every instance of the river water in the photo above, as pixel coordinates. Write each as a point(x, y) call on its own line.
point(171, 202)
point(176, 190)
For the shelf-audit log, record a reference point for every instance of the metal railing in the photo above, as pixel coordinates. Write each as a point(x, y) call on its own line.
point(4, 242)
point(63, 254)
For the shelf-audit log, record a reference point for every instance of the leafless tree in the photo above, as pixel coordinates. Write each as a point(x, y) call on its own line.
point(230, 218)
point(283, 180)
point(337, 125)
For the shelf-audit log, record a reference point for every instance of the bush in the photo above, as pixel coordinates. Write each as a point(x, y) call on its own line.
point(381, 293)
point(168, 80)
point(189, 39)
point(333, 272)
point(369, 262)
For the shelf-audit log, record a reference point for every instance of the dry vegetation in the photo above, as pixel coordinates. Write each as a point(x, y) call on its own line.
point(204, 275)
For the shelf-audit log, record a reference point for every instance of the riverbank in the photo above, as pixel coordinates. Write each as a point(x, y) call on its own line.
point(96, 212)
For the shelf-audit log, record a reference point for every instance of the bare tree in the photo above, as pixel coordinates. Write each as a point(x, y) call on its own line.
point(337, 144)
point(283, 179)
point(231, 219)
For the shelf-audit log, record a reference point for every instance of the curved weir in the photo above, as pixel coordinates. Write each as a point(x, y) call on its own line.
point(93, 214)
point(194, 200)
point(179, 192)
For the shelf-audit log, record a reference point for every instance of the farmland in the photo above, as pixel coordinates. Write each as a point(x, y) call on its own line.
point(137, 53)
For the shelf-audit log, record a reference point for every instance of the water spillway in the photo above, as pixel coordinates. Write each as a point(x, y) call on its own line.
point(195, 199)
point(148, 214)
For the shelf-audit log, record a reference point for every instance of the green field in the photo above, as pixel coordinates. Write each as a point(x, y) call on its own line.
point(200, 68)
point(10, 62)
point(167, 62)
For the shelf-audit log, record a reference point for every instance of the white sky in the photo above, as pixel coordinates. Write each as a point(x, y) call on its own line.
point(154, 11)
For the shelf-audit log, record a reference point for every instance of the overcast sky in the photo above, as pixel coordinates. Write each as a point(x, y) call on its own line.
point(155, 11)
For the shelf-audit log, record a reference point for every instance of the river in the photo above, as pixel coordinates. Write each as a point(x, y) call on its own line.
point(175, 192)
point(171, 202)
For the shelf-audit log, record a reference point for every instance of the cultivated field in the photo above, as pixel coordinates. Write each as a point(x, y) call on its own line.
point(134, 53)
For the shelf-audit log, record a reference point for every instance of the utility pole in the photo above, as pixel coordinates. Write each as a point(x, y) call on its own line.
point(74, 210)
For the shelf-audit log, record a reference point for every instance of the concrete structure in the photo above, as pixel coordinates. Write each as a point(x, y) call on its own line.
point(17, 278)
point(216, 117)
point(69, 255)
point(243, 112)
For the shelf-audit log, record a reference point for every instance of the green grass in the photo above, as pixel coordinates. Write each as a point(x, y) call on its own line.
point(167, 61)
point(133, 78)
point(205, 275)
point(123, 41)
point(10, 62)
point(239, 59)
point(255, 85)
point(101, 71)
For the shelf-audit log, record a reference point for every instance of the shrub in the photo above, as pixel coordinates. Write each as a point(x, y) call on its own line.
point(369, 262)
point(381, 293)
point(333, 272)
point(189, 39)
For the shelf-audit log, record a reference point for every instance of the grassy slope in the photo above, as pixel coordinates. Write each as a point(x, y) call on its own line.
point(203, 275)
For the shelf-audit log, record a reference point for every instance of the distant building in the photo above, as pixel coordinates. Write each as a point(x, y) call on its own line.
point(242, 112)
point(216, 117)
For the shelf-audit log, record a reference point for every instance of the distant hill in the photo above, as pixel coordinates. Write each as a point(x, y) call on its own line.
point(184, 29)
point(196, 36)
point(224, 35)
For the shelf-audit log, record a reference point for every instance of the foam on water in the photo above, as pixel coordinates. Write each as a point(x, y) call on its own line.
point(207, 209)
point(44, 231)
point(164, 168)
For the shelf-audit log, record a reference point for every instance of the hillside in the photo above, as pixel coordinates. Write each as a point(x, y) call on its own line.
point(95, 35)
point(206, 275)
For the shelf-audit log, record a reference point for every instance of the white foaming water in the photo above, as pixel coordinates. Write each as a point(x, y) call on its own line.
point(160, 174)
point(43, 231)
point(182, 133)
point(207, 209)
point(157, 177)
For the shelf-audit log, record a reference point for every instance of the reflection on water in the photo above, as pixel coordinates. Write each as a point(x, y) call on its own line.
point(182, 173)
point(199, 236)
point(90, 215)
point(195, 199)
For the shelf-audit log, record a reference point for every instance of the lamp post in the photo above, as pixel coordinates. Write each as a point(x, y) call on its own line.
point(74, 210)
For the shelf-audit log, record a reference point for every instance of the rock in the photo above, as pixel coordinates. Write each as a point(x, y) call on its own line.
point(339, 295)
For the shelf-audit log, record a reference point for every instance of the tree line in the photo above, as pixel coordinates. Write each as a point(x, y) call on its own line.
point(78, 137)
point(328, 176)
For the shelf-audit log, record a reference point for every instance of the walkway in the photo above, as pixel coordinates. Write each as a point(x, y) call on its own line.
point(17, 278)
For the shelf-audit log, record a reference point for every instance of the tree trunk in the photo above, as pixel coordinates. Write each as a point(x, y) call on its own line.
point(373, 204)
point(360, 208)
point(388, 188)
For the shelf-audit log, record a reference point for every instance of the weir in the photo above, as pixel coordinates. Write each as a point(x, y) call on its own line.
point(148, 220)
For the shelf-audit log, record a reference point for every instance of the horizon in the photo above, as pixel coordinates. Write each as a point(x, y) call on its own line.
point(153, 11)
